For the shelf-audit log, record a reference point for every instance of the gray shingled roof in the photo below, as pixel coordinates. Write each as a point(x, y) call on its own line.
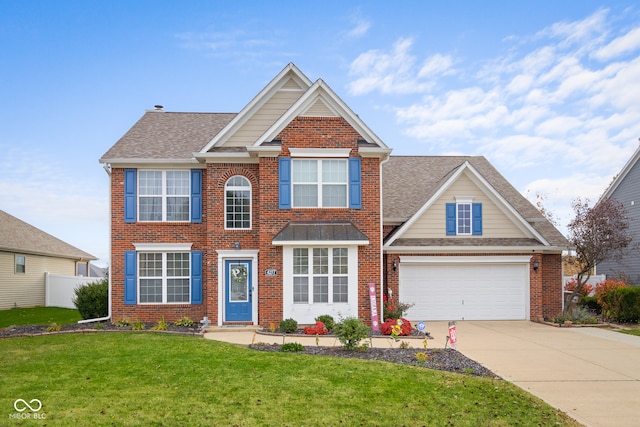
point(410, 181)
point(18, 236)
point(165, 135)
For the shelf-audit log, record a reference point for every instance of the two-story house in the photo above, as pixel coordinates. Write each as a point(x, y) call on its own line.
point(277, 212)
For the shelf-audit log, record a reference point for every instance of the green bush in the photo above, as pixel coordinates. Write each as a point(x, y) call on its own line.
point(288, 326)
point(591, 303)
point(184, 321)
point(327, 320)
point(350, 332)
point(626, 304)
point(92, 300)
point(292, 347)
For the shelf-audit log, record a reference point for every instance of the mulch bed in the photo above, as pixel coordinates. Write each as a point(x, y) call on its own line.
point(35, 330)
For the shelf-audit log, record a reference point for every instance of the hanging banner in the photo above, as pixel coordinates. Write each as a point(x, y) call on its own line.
point(374, 307)
point(453, 338)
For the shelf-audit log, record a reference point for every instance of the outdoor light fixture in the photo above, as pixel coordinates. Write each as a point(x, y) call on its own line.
point(236, 245)
point(395, 264)
point(536, 265)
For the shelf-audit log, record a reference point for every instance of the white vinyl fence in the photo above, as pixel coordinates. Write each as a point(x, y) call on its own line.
point(60, 290)
point(597, 278)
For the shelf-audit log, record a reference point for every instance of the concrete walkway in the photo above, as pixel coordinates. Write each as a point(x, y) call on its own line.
point(591, 374)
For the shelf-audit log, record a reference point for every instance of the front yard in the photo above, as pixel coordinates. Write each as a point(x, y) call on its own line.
point(127, 378)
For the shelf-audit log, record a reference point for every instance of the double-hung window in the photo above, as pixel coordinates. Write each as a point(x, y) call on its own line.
point(21, 264)
point(463, 214)
point(320, 275)
point(164, 195)
point(320, 183)
point(164, 277)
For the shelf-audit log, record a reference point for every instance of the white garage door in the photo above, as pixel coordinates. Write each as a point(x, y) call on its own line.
point(465, 291)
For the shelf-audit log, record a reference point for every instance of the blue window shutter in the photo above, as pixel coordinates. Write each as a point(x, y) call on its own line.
point(130, 195)
point(130, 277)
point(196, 277)
point(284, 183)
point(355, 183)
point(451, 219)
point(196, 195)
point(476, 219)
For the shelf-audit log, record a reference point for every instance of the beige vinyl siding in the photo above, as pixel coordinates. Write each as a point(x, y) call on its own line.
point(263, 118)
point(495, 223)
point(27, 289)
point(319, 109)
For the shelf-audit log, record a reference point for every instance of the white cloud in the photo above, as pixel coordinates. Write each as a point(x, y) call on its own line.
point(361, 28)
point(395, 72)
point(544, 104)
point(621, 45)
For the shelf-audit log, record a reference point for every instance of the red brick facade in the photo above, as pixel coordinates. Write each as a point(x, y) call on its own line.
point(267, 220)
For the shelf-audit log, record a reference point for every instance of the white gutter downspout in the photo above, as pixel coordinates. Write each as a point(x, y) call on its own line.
point(382, 284)
point(100, 319)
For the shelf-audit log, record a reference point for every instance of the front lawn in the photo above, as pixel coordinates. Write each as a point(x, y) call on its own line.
point(635, 331)
point(38, 316)
point(146, 379)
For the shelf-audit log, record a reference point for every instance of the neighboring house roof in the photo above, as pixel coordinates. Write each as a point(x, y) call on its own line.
point(409, 182)
point(622, 175)
point(20, 237)
point(160, 135)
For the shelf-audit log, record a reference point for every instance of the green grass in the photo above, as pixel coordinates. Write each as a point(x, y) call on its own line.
point(38, 316)
point(635, 331)
point(146, 379)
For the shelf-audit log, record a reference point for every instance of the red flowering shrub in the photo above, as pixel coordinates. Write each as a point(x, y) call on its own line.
point(319, 329)
point(387, 326)
point(571, 285)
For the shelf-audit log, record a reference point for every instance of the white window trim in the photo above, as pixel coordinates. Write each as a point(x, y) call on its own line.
point(164, 279)
point(250, 205)
point(465, 200)
point(319, 183)
point(320, 152)
point(163, 195)
point(163, 247)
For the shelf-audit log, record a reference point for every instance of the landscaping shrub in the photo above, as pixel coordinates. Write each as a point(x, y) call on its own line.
point(288, 326)
point(92, 300)
point(393, 309)
point(350, 332)
point(591, 304)
point(318, 329)
point(625, 304)
point(582, 316)
point(184, 321)
point(292, 347)
point(327, 320)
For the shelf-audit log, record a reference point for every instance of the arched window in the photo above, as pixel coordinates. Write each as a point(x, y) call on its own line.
point(237, 202)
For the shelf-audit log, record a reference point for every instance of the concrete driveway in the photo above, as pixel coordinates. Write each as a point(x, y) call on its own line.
point(591, 374)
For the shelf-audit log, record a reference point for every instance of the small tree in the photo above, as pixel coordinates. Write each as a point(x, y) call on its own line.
point(597, 233)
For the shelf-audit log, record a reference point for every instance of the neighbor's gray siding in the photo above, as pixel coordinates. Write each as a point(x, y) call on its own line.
point(628, 193)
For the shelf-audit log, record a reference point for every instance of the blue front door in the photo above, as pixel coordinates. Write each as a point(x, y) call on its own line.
point(238, 306)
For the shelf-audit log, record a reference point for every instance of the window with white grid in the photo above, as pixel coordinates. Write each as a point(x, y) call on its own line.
point(238, 203)
point(319, 183)
point(320, 275)
point(164, 195)
point(164, 278)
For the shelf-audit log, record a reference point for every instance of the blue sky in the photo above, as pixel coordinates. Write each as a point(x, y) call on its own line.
point(548, 91)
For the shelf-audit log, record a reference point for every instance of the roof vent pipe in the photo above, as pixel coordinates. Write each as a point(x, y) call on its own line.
point(158, 107)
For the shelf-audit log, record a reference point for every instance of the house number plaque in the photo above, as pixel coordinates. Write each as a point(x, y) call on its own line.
point(271, 272)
